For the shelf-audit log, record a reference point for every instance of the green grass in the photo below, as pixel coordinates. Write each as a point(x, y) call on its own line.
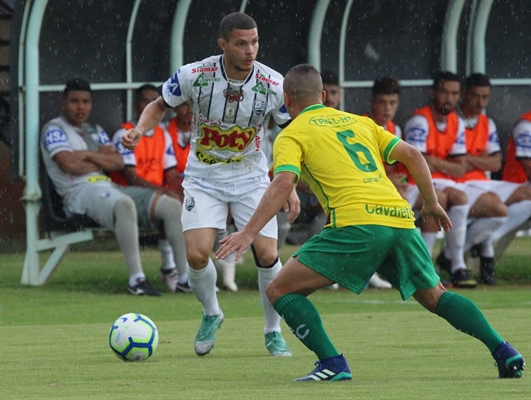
point(53, 339)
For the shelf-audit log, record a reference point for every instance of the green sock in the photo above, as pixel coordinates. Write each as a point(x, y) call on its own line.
point(304, 320)
point(465, 316)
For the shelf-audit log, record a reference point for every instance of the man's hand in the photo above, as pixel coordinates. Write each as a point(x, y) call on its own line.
point(438, 214)
point(131, 138)
point(293, 206)
point(236, 242)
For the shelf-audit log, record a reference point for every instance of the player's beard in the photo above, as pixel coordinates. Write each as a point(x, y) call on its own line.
point(446, 109)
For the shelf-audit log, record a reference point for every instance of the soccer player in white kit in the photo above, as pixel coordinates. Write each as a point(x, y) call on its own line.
point(484, 155)
point(232, 97)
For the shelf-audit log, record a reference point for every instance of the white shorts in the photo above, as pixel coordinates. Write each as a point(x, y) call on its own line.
point(472, 192)
point(412, 195)
point(206, 203)
point(503, 189)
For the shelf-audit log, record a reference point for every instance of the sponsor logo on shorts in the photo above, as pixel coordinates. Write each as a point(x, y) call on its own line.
point(189, 203)
point(338, 120)
point(395, 212)
point(234, 139)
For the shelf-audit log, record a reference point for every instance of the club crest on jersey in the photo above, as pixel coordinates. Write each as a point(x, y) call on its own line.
point(234, 139)
point(189, 203)
point(259, 107)
point(233, 95)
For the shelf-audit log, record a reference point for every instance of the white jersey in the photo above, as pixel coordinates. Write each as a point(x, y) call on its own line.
point(168, 159)
point(228, 117)
point(58, 135)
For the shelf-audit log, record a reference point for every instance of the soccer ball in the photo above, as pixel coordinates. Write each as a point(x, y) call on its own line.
point(133, 337)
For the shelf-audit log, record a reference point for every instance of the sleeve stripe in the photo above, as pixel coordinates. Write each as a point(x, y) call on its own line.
point(287, 168)
point(390, 148)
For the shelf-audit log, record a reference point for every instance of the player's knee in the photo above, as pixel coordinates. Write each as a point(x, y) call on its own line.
point(125, 208)
point(165, 206)
point(273, 292)
point(197, 259)
point(456, 197)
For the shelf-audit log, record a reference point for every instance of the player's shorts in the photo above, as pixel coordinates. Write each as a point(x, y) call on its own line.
point(472, 192)
point(97, 201)
point(351, 255)
point(412, 195)
point(206, 203)
point(503, 189)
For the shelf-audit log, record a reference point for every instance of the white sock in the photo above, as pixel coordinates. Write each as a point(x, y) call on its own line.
point(266, 275)
point(203, 285)
point(481, 229)
point(134, 278)
point(456, 237)
point(430, 238)
point(166, 254)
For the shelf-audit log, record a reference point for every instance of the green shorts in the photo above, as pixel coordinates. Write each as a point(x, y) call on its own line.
point(351, 255)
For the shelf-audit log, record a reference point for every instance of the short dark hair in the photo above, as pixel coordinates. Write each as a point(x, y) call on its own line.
point(303, 82)
point(235, 20)
point(444, 76)
point(330, 78)
point(476, 79)
point(143, 88)
point(385, 85)
point(76, 84)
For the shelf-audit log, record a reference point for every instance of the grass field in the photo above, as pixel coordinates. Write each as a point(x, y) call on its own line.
point(53, 339)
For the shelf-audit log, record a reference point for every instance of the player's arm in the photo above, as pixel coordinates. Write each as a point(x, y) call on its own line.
point(454, 166)
point(417, 166)
point(527, 167)
point(275, 196)
point(485, 162)
point(106, 158)
point(151, 116)
point(74, 163)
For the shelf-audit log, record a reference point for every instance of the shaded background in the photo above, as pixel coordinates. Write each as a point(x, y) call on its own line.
point(86, 38)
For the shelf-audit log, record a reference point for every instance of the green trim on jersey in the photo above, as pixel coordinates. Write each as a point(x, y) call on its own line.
point(389, 149)
point(288, 168)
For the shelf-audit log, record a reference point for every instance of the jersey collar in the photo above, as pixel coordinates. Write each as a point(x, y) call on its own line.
point(313, 107)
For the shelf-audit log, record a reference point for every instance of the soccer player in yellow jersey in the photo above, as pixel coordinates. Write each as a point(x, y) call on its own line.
point(371, 228)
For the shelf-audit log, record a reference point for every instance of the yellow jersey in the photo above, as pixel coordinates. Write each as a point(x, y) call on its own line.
point(339, 156)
